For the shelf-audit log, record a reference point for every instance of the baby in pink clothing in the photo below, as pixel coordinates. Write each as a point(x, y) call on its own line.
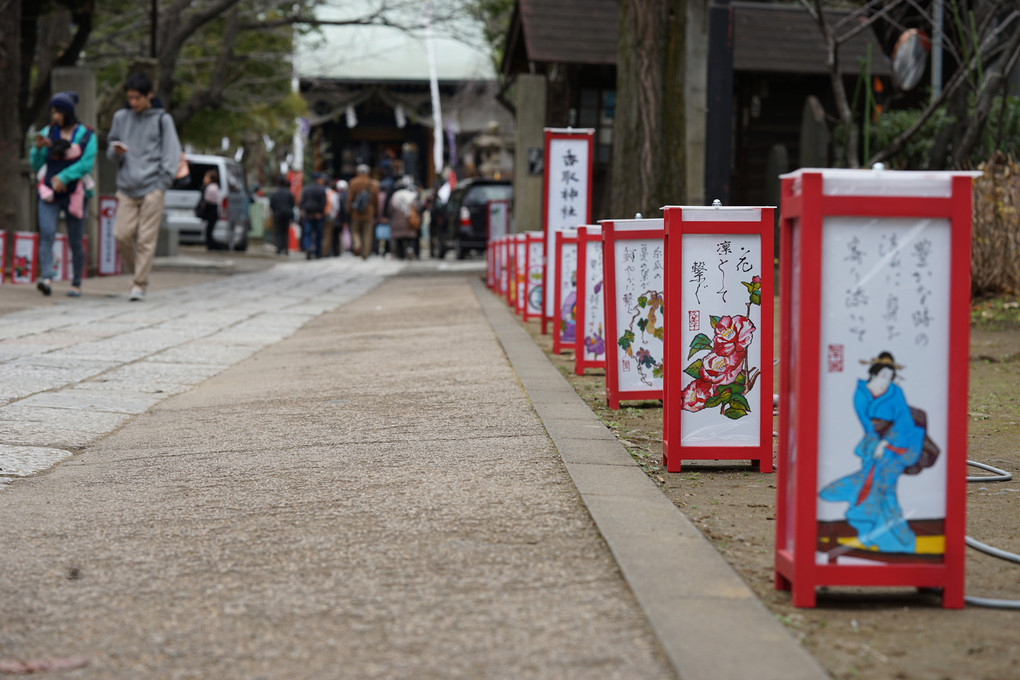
point(76, 206)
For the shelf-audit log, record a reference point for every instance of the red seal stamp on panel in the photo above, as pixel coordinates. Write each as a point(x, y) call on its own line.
point(834, 358)
point(694, 320)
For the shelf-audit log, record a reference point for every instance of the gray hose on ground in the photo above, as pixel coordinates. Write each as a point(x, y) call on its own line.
point(994, 552)
point(998, 476)
point(994, 603)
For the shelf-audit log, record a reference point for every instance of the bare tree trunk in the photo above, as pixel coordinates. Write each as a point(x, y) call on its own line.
point(13, 204)
point(649, 129)
point(993, 83)
point(846, 116)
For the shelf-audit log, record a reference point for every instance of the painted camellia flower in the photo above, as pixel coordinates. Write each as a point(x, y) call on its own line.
point(732, 335)
point(721, 369)
point(694, 396)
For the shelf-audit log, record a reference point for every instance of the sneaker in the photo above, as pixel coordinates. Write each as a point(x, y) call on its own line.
point(137, 293)
point(44, 287)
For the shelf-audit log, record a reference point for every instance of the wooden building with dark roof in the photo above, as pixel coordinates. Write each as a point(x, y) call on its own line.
point(752, 66)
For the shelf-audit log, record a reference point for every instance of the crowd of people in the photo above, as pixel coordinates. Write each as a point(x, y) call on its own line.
point(372, 214)
point(365, 216)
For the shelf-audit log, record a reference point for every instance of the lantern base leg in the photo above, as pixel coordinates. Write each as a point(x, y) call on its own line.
point(781, 582)
point(804, 596)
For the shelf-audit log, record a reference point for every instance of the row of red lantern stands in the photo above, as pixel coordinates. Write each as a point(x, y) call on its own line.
point(24, 249)
point(877, 289)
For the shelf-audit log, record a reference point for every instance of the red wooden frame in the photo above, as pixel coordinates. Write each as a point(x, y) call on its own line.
point(3, 256)
point(675, 354)
point(585, 235)
point(562, 238)
point(795, 564)
point(550, 135)
point(611, 235)
point(520, 246)
point(531, 238)
point(511, 271)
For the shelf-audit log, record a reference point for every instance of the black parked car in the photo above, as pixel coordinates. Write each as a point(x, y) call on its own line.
point(467, 216)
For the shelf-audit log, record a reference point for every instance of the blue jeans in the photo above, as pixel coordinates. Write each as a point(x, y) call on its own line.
point(49, 213)
point(312, 230)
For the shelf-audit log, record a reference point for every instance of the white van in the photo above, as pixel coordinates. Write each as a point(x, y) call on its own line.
point(232, 227)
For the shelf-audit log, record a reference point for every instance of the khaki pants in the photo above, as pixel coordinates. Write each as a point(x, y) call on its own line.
point(136, 230)
point(363, 233)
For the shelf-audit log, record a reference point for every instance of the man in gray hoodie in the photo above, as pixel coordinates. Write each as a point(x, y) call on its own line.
point(143, 142)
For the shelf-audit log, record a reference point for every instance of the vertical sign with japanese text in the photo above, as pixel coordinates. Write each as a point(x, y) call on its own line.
point(499, 219)
point(109, 260)
point(566, 193)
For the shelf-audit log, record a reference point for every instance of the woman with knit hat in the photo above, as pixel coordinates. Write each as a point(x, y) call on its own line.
point(64, 152)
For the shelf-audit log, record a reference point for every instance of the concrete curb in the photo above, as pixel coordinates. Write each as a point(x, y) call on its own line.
point(709, 622)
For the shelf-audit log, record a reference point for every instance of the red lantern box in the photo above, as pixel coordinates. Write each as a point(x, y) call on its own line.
point(717, 401)
point(534, 267)
point(497, 226)
point(875, 293)
point(590, 333)
point(566, 194)
point(504, 265)
point(632, 265)
point(511, 271)
point(565, 292)
point(520, 247)
point(494, 254)
point(25, 250)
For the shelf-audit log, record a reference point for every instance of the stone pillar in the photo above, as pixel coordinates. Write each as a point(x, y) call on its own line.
point(83, 81)
point(529, 153)
point(696, 99)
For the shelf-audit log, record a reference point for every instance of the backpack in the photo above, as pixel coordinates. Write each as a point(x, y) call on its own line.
point(360, 203)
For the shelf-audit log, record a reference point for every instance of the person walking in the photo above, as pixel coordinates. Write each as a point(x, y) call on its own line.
point(362, 199)
point(143, 143)
point(209, 207)
point(405, 219)
point(281, 204)
point(313, 209)
point(63, 154)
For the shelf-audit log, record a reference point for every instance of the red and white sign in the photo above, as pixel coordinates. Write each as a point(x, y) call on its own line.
point(874, 342)
point(110, 262)
point(534, 291)
point(566, 194)
point(565, 292)
point(590, 336)
point(25, 251)
point(717, 402)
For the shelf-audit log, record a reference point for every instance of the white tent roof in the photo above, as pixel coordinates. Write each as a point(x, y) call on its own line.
point(379, 53)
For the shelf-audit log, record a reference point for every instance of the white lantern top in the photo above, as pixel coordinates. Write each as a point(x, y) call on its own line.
point(882, 182)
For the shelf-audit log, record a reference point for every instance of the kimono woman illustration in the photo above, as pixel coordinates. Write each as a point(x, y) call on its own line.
point(892, 442)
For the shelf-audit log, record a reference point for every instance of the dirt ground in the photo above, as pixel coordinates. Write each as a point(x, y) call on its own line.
point(869, 634)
